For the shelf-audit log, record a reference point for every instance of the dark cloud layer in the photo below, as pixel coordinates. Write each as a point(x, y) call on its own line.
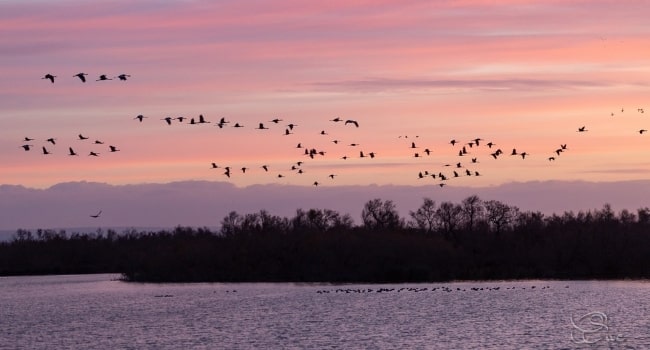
point(203, 203)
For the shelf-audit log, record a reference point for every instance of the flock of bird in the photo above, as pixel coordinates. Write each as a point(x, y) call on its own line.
point(425, 289)
point(82, 77)
point(466, 152)
point(52, 142)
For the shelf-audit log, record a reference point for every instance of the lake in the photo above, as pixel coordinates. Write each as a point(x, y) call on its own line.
point(102, 312)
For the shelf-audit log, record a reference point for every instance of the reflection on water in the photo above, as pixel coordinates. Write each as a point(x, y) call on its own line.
point(101, 312)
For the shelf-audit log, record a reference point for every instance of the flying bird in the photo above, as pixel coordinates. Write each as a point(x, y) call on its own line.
point(50, 77)
point(82, 137)
point(350, 121)
point(94, 154)
point(642, 131)
point(96, 215)
point(113, 149)
point(103, 77)
point(72, 152)
point(51, 140)
point(81, 76)
point(45, 151)
point(262, 127)
point(123, 76)
point(27, 147)
point(27, 139)
point(582, 129)
point(140, 117)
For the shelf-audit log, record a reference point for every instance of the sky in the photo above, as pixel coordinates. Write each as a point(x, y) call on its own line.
point(524, 75)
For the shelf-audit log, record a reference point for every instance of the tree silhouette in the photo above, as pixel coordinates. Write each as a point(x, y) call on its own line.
point(381, 215)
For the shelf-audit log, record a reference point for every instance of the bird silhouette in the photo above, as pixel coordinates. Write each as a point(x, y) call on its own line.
point(168, 120)
point(51, 140)
point(103, 77)
point(214, 166)
point(265, 167)
point(82, 137)
point(642, 131)
point(72, 152)
point(50, 77)
point(81, 76)
point(45, 151)
point(353, 122)
point(262, 127)
point(94, 154)
point(97, 142)
point(95, 216)
point(123, 76)
point(27, 147)
point(140, 117)
point(113, 149)
point(202, 119)
point(582, 129)
point(336, 120)
point(27, 139)
point(276, 120)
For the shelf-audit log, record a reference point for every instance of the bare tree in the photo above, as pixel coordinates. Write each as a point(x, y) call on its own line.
point(499, 214)
point(472, 211)
point(449, 216)
point(381, 215)
point(425, 217)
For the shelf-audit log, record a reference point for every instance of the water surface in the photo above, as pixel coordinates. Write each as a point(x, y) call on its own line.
point(101, 312)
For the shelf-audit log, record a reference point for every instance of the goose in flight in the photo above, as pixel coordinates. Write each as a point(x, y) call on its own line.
point(168, 120)
point(453, 142)
point(288, 132)
point(51, 140)
point(202, 119)
point(27, 139)
point(27, 147)
point(103, 77)
point(50, 77)
point(82, 137)
point(96, 215)
point(237, 125)
point(582, 129)
point(222, 122)
point(97, 142)
point(81, 76)
point(265, 167)
point(262, 127)
point(336, 120)
point(214, 166)
point(291, 126)
point(113, 149)
point(72, 152)
point(94, 154)
point(353, 122)
point(45, 151)
point(123, 76)
point(331, 176)
point(140, 117)
point(276, 120)
point(642, 131)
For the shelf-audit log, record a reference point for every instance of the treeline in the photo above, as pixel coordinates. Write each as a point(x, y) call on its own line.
point(474, 239)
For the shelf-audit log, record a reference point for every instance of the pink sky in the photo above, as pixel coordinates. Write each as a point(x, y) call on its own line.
point(522, 74)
